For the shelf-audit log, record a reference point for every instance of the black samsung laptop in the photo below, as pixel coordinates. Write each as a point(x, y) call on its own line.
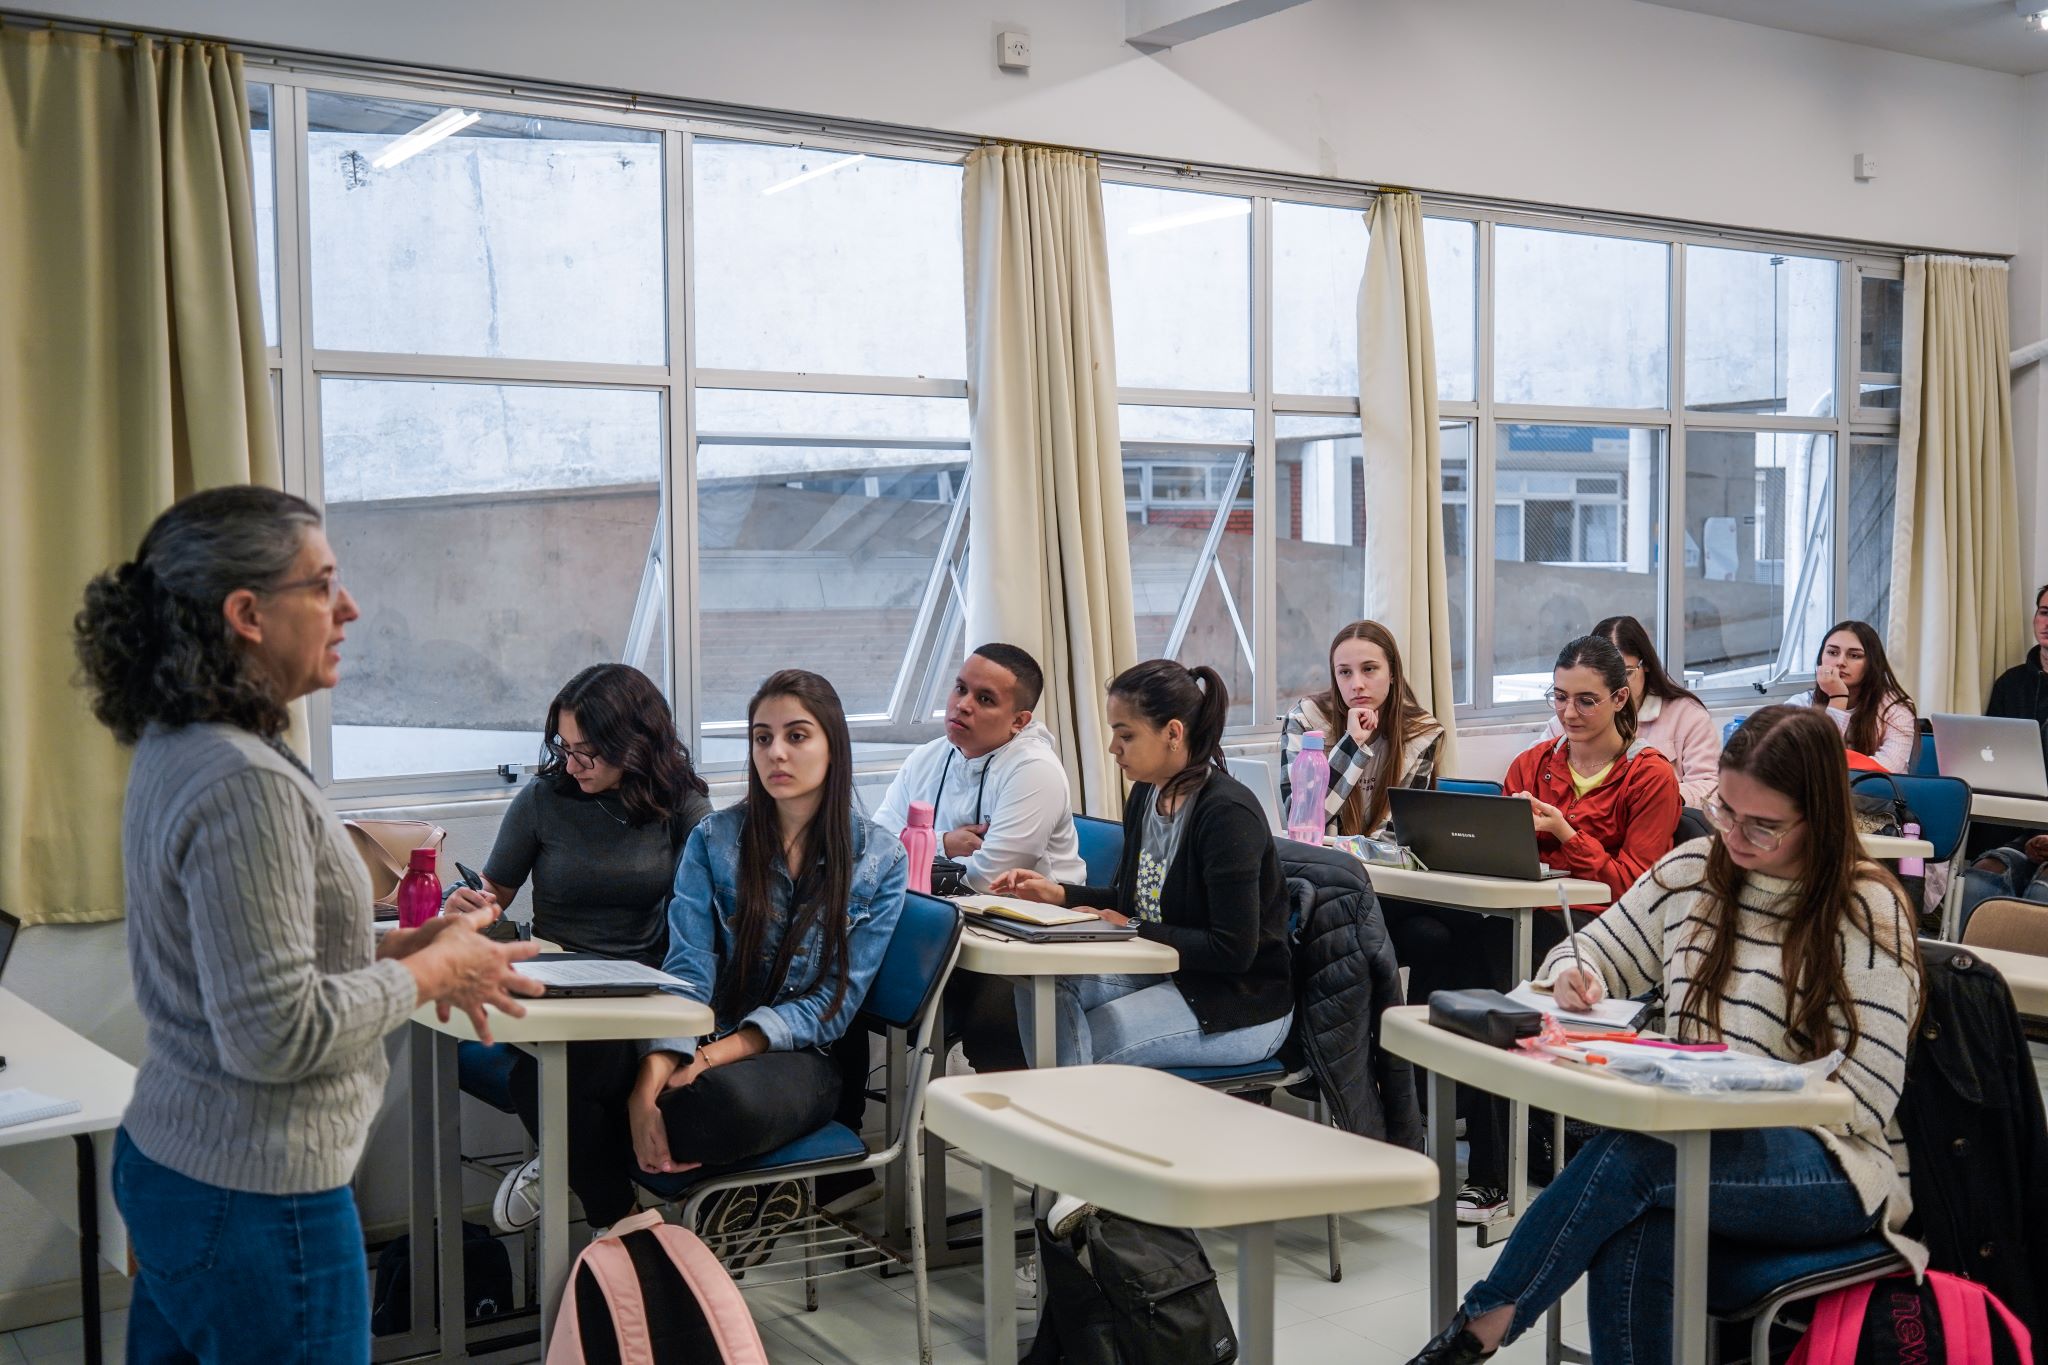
point(1484, 836)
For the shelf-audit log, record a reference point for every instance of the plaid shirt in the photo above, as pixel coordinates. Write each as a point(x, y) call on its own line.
point(1350, 765)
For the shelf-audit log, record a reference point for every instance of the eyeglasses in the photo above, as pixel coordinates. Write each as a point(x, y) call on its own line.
point(1762, 837)
point(1584, 701)
point(325, 586)
point(581, 758)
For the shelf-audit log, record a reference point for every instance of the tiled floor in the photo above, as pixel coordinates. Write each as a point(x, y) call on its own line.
point(1377, 1315)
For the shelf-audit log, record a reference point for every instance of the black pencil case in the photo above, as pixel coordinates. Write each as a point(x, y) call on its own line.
point(1483, 1016)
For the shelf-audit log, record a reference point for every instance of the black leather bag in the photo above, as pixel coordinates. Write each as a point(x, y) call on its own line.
point(1483, 1016)
point(949, 878)
point(486, 1281)
point(1120, 1292)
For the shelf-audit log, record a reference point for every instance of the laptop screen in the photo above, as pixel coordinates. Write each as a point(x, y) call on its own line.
point(8, 925)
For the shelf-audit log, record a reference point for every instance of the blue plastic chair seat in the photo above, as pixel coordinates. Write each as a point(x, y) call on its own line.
point(1219, 1075)
point(485, 1071)
point(833, 1142)
point(1473, 786)
point(1742, 1278)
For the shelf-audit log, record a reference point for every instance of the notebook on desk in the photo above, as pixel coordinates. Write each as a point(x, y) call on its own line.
point(1090, 930)
point(584, 976)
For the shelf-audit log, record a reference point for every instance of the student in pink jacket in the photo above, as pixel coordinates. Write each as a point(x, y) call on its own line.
point(1669, 719)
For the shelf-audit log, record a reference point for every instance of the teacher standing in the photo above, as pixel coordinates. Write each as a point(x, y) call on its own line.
point(264, 992)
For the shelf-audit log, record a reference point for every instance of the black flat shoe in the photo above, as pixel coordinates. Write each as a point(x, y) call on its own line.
point(1453, 1346)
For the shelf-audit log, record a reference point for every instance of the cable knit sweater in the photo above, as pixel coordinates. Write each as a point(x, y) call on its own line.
point(1651, 941)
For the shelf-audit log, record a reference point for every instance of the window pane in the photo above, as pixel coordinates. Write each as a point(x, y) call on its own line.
point(1873, 496)
point(1580, 321)
point(515, 236)
point(1759, 554)
point(1322, 506)
point(1577, 514)
point(1759, 332)
point(826, 262)
point(1318, 263)
point(1175, 493)
point(819, 527)
point(1450, 245)
point(1455, 442)
point(1180, 287)
point(263, 189)
point(1881, 342)
point(496, 538)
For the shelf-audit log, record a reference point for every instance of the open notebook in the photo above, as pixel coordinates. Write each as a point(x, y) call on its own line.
point(583, 975)
point(26, 1106)
point(1023, 912)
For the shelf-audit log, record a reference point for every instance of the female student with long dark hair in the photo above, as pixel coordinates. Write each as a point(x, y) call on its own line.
point(1199, 873)
point(1376, 734)
point(598, 830)
point(783, 909)
point(1668, 717)
point(1854, 682)
point(1777, 937)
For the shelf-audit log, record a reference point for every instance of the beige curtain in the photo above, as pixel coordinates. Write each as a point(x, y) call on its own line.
point(1405, 576)
point(1048, 564)
point(132, 372)
point(1957, 600)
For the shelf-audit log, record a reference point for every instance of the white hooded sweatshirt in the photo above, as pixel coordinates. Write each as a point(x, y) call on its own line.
point(1019, 791)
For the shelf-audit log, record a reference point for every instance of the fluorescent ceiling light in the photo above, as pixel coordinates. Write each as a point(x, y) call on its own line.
point(445, 124)
point(2034, 12)
point(827, 169)
point(1228, 208)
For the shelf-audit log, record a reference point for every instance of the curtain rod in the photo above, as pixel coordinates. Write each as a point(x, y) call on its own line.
point(1248, 178)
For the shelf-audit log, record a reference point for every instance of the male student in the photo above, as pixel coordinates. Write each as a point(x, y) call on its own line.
point(1000, 800)
point(998, 791)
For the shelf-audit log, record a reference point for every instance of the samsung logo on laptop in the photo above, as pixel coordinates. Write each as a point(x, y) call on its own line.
point(1463, 834)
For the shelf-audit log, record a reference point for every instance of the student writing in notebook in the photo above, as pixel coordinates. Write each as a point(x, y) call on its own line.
point(597, 831)
point(1199, 873)
point(1777, 937)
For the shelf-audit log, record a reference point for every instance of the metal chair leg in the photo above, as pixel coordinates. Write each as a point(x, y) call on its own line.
point(811, 1247)
point(1335, 1238)
point(913, 1164)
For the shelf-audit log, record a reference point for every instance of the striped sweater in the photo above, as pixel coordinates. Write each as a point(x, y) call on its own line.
point(1650, 942)
point(250, 942)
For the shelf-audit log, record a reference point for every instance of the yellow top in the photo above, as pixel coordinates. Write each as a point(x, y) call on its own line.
point(1586, 784)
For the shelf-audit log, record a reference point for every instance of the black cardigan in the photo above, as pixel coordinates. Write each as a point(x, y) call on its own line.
point(1223, 907)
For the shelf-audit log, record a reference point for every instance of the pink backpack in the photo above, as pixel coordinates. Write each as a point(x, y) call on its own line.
point(1944, 1320)
point(651, 1293)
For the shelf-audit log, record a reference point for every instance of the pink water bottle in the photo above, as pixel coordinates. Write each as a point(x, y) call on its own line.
point(922, 844)
point(419, 893)
point(1912, 867)
point(1309, 777)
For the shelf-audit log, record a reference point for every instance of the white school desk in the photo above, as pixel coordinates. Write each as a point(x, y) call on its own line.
point(1519, 900)
point(546, 1031)
point(77, 1186)
point(1686, 1121)
point(992, 954)
point(1889, 848)
point(2025, 974)
point(2025, 811)
point(1156, 1148)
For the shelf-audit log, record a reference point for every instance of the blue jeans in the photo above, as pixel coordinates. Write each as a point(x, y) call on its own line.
point(228, 1276)
point(1141, 1021)
point(2015, 878)
point(1608, 1214)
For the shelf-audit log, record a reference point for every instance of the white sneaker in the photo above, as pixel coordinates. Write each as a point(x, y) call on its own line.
point(1027, 1280)
point(517, 1203)
point(1066, 1214)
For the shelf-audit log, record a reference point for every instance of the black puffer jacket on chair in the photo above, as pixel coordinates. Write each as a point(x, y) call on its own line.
point(1345, 978)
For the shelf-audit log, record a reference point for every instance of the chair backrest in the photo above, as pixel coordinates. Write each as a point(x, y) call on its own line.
point(1942, 805)
point(2008, 924)
point(920, 954)
point(1474, 786)
point(1102, 847)
point(1258, 774)
point(1692, 824)
point(1924, 762)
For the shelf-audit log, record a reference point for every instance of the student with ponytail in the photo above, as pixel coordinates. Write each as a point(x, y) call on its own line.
point(1199, 873)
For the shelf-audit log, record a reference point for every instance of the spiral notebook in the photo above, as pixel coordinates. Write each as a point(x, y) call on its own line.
point(26, 1106)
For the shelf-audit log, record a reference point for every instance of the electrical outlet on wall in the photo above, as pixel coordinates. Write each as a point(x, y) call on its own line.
point(1013, 50)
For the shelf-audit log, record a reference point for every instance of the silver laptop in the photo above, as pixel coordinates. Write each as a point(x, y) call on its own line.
point(1993, 754)
point(1483, 836)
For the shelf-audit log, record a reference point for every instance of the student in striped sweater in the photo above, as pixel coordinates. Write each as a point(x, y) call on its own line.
point(1776, 936)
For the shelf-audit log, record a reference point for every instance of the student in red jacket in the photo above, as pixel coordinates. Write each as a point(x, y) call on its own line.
point(1605, 808)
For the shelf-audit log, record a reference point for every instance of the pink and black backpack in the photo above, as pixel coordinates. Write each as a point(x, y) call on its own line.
point(651, 1293)
point(1943, 1320)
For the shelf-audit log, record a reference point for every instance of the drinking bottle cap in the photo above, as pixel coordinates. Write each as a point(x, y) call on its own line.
point(422, 859)
point(1312, 740)
point(920, 815)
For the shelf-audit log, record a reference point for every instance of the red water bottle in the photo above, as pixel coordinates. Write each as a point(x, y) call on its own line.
point(922, 844)
point(419, 893)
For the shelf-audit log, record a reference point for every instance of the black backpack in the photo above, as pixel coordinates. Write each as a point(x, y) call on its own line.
point(1120, 1292)
point(486, 1281)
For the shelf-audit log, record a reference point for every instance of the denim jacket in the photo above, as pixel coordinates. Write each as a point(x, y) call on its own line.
point(700, 933)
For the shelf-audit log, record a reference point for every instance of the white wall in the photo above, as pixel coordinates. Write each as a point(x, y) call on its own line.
point(1599, 103)
point(2030, 323)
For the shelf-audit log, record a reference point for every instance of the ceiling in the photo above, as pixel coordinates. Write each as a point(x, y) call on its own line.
point(1982, 33)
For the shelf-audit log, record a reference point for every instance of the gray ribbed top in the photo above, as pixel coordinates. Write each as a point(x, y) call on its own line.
point(250, 943)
